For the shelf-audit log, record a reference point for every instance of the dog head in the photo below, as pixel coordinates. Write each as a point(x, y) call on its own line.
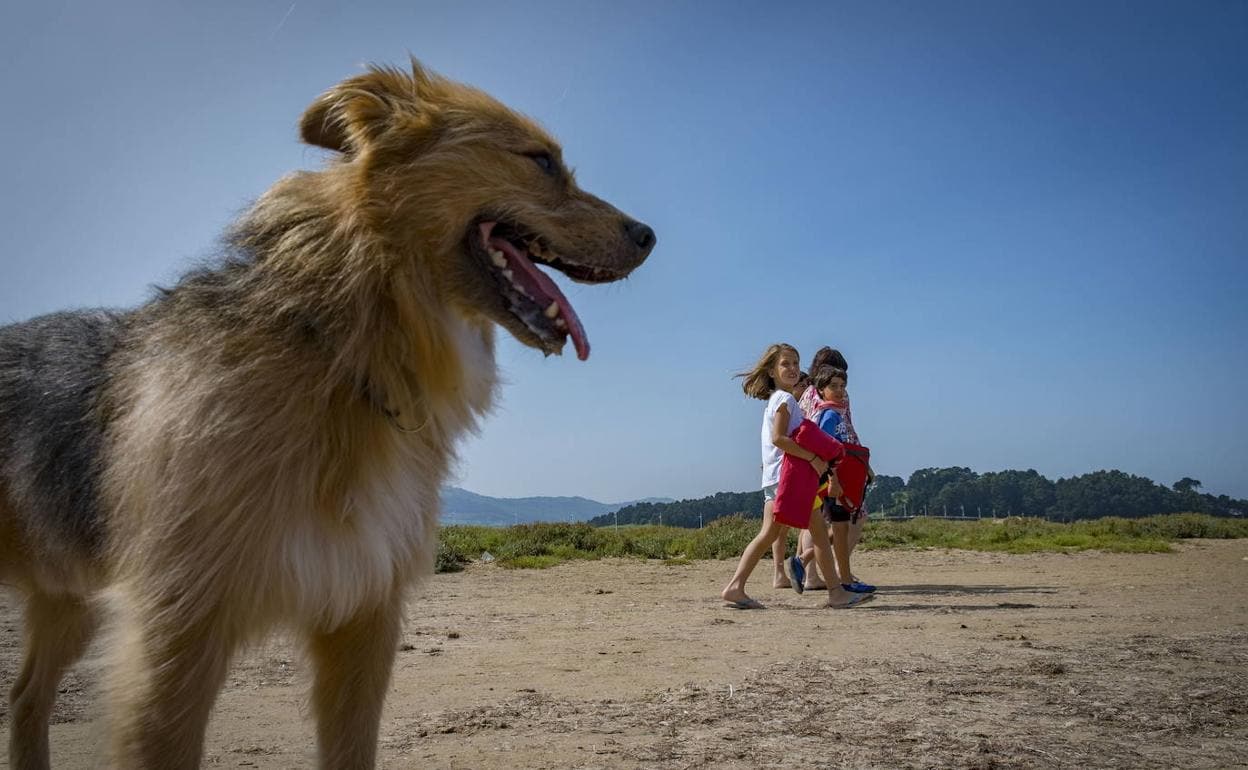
point(475, 196)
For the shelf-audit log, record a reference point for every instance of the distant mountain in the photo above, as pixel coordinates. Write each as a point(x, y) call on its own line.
point(459, 506)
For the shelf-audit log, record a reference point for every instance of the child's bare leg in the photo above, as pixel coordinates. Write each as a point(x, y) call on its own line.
point(814, 580)
point(840, 551)
point(735, 590)
point(837, 596)
point(806, 550)
point(778, 547)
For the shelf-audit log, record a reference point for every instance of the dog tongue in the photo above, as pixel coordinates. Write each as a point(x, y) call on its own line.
point(543, 290)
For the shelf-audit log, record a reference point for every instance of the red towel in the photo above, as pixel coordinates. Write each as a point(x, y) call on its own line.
point(851, 473)
point(795, 495)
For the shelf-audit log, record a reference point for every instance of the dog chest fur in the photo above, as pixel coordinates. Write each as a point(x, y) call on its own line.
point(242, 466)
point(387, 532)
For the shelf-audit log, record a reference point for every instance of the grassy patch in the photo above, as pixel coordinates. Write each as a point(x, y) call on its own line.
point(537, 546)
point(1019, 535)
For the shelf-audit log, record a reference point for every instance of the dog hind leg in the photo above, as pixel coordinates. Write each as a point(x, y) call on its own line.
point(352, 667)
point(58, 629)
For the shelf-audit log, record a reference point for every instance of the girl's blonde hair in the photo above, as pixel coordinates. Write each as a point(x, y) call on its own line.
point(758, 382)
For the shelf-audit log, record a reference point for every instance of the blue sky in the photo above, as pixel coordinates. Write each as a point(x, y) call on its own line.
point(1025, 224)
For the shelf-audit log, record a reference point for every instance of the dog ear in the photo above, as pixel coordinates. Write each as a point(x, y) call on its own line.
point(356, 111)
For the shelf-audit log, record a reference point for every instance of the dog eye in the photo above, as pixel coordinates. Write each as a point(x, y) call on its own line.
point(544, 162)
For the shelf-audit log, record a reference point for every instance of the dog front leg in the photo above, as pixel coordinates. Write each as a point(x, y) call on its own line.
point(57, 631)
point(167, 670)
point(352, 666)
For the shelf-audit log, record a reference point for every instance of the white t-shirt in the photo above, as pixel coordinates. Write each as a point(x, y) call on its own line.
point(772, 454)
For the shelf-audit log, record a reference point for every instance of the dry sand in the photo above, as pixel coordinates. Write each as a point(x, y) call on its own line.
point(966, 660)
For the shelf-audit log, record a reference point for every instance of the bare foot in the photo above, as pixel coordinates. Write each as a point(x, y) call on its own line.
point(816, 586)
point(781, 583)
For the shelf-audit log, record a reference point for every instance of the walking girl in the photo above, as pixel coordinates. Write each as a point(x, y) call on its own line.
point(772, 379)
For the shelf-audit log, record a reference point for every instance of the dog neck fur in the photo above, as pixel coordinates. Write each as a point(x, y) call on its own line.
point(377, 306)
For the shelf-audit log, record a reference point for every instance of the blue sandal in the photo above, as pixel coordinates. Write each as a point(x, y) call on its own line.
point(797, 574)
point(857, 587)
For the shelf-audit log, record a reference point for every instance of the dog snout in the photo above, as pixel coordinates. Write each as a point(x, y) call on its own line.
point(641, 235)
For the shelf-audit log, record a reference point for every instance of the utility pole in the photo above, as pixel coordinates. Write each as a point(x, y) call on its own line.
point(617, 519)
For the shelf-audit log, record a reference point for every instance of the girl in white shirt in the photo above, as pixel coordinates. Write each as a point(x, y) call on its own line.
point(772, 378)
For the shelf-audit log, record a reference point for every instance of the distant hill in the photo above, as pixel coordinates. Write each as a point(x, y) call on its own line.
point(686, 513)
point(962, 492)
point(459, 506)
point(696, 512)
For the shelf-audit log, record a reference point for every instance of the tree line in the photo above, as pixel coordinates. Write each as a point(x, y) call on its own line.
point(962, 492)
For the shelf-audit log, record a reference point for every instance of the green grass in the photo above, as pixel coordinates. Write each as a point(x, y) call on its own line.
point(1018, 535)
point(538, 546)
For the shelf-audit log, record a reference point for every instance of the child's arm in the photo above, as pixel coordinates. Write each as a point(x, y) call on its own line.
point(781, 440)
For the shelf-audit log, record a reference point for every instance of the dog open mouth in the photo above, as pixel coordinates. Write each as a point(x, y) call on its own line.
point(531, 296)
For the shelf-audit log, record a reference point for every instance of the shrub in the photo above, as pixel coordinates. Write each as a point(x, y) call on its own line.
point(539, 546)
point(447, 558)
point(724, 538)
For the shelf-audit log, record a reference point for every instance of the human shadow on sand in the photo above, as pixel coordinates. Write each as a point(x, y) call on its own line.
point(887, 606)
point(975, 590)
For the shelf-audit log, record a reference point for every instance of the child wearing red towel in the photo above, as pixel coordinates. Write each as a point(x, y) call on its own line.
point(830, 410)
point(784, 460)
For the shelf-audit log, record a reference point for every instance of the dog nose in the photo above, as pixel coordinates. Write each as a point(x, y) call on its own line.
point(640, 234)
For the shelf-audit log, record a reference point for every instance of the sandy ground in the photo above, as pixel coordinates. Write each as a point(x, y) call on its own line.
point(966, 660)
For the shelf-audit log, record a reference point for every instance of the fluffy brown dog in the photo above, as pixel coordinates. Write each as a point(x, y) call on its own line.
point(265, 442)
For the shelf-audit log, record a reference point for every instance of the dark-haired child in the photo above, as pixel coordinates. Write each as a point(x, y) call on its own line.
point(843, 514)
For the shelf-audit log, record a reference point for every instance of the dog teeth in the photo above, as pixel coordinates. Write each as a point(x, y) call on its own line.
point(508, 274)
point(497, 258)
point(551, 311)
point(560, 323)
